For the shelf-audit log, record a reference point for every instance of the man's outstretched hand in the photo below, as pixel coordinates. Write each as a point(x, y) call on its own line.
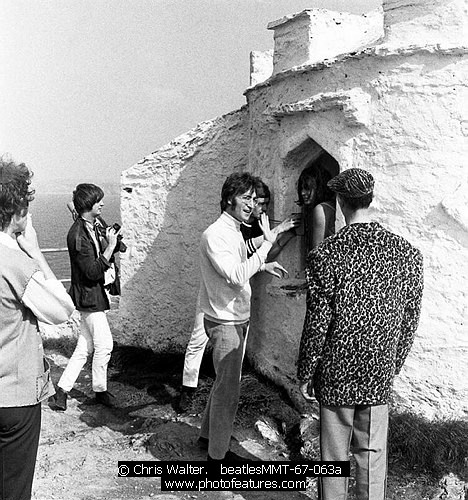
point(291, 222)
point(276, 269)
point(268, 234)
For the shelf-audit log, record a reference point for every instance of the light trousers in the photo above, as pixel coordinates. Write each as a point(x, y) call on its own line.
point(194, 352)
point(95, 335)
point(228, 353)
point(364, 428)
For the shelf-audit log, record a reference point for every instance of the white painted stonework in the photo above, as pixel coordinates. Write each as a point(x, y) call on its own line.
point(168, 199)
point(394, 103)
point(261, 66)
point(314, 35)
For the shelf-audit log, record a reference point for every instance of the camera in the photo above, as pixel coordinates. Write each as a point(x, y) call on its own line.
point(103, 229)
point(120, 247)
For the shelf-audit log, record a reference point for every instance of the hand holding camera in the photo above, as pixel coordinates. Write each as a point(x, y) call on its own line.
point(105, 231)
point(113, 235)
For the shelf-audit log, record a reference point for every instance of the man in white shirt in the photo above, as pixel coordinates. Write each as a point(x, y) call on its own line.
point(225, 303)
point(253, 237)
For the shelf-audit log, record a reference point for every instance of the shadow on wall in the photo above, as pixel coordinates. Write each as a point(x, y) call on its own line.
point(169, 199)
point(278, 306)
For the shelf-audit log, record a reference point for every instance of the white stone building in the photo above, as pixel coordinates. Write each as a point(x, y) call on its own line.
point(386, 91)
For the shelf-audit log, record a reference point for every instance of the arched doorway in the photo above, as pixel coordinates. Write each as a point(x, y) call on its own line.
point(308, 161)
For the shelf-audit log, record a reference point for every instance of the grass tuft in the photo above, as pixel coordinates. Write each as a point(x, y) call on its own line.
point(436, 447)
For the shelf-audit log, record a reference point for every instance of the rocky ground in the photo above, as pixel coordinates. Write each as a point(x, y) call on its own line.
point(80, 448)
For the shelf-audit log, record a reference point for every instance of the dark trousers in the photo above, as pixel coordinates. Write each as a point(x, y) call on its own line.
point(19, 440)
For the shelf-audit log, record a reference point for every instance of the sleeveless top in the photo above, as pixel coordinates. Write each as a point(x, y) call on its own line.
point(308, 226)
point(330, 227)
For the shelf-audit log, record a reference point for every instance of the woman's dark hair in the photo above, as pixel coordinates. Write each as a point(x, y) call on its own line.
point(317, 173)
point(85, 196)
point(234, 185)
point(15, 191)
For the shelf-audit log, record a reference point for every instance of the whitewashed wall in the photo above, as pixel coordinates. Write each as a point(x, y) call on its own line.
point(416, 147)
point(398, 109)
point(168, 200)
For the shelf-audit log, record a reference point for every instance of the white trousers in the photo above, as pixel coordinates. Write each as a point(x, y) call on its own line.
point(194, 352)
point(95, 335)
point(196, 348)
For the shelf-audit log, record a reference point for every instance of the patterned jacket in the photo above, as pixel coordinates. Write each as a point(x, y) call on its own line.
point(363, 302)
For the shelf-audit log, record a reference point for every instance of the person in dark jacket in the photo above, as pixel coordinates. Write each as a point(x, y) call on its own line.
point(91, 248)
point(365, 286)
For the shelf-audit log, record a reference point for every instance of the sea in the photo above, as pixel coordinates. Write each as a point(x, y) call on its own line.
point(52, 220)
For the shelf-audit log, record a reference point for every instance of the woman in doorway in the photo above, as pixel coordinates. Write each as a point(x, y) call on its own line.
point(318, 203)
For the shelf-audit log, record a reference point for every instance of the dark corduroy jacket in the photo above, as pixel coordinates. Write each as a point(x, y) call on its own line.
point(87, 270)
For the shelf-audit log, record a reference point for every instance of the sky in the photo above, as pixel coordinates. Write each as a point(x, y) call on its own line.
point(90, 87)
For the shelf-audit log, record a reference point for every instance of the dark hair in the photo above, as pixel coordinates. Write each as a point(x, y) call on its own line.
point(15, 192)
point(321, 176)
point(235, 185)
point(261, 189)
point(357, 203)
point(85, 196)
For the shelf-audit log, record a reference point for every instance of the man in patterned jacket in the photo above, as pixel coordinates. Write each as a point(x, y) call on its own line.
point(364, 298)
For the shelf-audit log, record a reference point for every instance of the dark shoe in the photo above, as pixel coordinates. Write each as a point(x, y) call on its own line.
point(186, 398)
point(105, 398)
point(229, 457)
point(203, 443)
point(61, 399)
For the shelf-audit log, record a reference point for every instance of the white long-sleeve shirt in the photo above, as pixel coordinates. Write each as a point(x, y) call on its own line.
point(47, 298)
point(225, 271)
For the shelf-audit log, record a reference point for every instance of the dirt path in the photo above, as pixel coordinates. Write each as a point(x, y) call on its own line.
point(80, 448)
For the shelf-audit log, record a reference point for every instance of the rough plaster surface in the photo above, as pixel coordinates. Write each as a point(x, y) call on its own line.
point(261, 66)
point(414, 144)
point(314, 35)
point(354, 103)
point(168, 200)
point(398, 110)
point(426, 22)
point(456, 204)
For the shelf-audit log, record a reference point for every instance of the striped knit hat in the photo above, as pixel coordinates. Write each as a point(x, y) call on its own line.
point(352, 183)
